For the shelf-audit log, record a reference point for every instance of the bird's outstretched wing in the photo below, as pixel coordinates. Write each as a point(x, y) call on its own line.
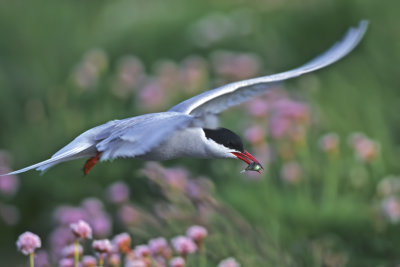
point(119, 138)
point(136, 136)
point(219, 99)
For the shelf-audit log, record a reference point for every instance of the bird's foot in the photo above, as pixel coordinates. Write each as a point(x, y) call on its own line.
point(90, 163)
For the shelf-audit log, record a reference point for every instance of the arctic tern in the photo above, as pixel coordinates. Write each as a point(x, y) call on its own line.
point(187, 129)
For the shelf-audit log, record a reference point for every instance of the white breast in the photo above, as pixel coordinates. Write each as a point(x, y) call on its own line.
point(189, 142)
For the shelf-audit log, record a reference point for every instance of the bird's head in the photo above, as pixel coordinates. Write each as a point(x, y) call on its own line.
point(227, 144)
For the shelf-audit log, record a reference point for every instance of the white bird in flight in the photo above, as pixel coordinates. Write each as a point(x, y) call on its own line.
point(187, 129)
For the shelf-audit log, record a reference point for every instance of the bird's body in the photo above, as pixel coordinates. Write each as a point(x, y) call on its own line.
point(188, 129)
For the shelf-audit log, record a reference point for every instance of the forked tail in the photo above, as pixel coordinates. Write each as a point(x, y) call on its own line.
point(72, 154)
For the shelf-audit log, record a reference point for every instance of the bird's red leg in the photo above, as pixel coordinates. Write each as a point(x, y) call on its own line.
point(90, 163)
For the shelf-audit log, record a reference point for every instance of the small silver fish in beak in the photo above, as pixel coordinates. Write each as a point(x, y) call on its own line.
point(254, 166)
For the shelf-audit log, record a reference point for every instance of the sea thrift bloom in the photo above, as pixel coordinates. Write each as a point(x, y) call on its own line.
point(280, 126)
point(258, 107)
point(177, 262)
point(102, 246)
point(130, 75)
point(176, 178)
point(68, 214)
point(291, 172)
point(158, 245)
point(89, 261)
point(229, 262)
point(8, 184)
point(254, 134)
point(28, 242)
point(329, 143)
point(197, 233)
point(167, 73)
point(183, 245)
point(142, 251)
point(128, 214)
point(101, 224)
point(123, 242)
point(93, 206)
point(118, 193)
point(81, 229)
point(152, 95)
point(135, 263)
point(365, 149)
point(66, 262)
point(293, 110)
point(194, 73)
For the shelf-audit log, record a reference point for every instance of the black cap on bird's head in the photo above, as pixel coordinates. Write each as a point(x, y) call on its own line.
point(230, 140)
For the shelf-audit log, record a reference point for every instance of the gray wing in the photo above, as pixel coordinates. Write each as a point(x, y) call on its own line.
point(217, 100)
point(136, 136)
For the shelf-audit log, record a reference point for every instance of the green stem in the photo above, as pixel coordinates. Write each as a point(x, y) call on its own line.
point(76, 259)
point(31, 259)
point(101, 260)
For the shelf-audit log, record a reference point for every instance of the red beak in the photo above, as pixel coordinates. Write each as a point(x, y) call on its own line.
point(246, 157)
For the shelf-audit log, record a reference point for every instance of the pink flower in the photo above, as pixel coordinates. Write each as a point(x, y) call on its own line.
point(291, 172)
point(128, 214)
point(28, 242)
point(81, 229)
point(258, 107)
point(142, 251)
point(229, 262)
point(8, 184)
point(130, 75)
point(135, 263)
point(294, 110)
point(176, 178)
point(123, 242)
point(280, 126)
point(102, 246)
point(177, 262)
point(89, 261)
point(194, 73)
point(255, 134)
point(118, 193)
point(67, 262)
point(365, 149)
point(183, 245)
point(158, 245)
point(93, 206)
point(196, 233)
point(68, 214)
point(329, 143)
point(101, 224)
point(152, 95)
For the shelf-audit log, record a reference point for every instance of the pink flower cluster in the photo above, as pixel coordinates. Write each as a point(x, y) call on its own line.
point(365, 149)
point(28, 242)
point(81, 229)
point(229, 262)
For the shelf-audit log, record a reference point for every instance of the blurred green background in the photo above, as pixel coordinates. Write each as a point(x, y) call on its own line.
point(43, 106)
